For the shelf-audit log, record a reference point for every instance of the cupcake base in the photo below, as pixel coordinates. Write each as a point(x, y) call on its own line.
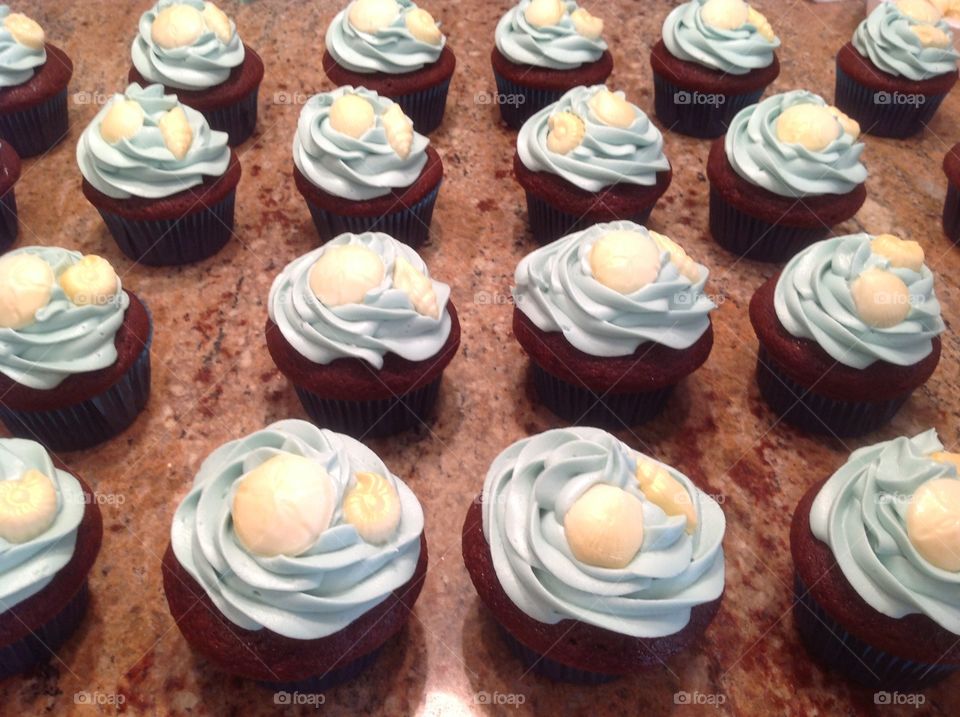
point(551, 669)
point(9, 174)
point(33, 115)
point(321, 683)
point(951, 205)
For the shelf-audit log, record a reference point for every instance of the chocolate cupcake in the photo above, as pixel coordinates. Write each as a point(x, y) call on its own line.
point(787, 171)
point(295, 556)
point(361, 166)
point(192, 48)
point(847, 331)
point(50, 532)
point(9, 174)
point(951, 205)
point(716, 58)
point(612, 317)
point(363, 333)
point(895, 73)
point(876, 565)
point(395, 49)
point(595, 560)
point(162, 180)
point(74, 348)
point(545, 48)
point(591, 157)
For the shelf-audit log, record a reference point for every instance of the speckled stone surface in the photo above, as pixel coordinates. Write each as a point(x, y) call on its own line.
point(213, 381)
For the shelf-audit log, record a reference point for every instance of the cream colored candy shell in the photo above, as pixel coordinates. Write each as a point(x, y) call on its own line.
point(566, 132)
point(666, 492)
point(418, 287)
point(344, 274)
point(25, 30)
point(26, 284)
point(217, 22)
point(28, 506)
point(919, 10)
point(92, 280)
point(725, 14)
point(176, 132)
point(933, 522)
point(947, 457)
point(283, 505)
point(544, 13)
point(900, 252)
point(604, 527)
point(590, 26)
point(372, 506)
point(122, 121)
point(687, 267)
point(881, 298)
point(931, 36)
point(625, 261)
point(372, 15)
point(809, 125)
point(422, 26)
point(399, 130)
point(177, 26)
point(759, 21)
point(612, 109)
point(849, 125)
point(352, 115)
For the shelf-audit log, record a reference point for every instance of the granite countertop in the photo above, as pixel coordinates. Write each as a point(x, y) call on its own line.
point(213, 381)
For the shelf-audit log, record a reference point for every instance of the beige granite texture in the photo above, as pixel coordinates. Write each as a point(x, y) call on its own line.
point(213, 381)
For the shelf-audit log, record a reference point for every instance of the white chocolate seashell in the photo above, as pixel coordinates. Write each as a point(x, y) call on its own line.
point(949, 9)
point(931, 36)
point(26, 284)
point(372, 15)
point(808, 125)
point(399, 130)
point(344, 274)
point(92, 280)
point(725, 14)
point(217, 22)
point(625, 261)
point(920, 10)
point(122, 121)
point(352, 115)
point(612, 109)
point(176, 132)
point(544, 13)
point(590, 26)
point(849, 125)
point(604, 527)
point(566, 132)
point(948, 458)
point(177, 26)
point(685, 265)
point(422, 26)
point(372, 506)
point(25, 30)
point(881, 298)
point(418, 287)
point(901, 253)
point(759, 21)
point(666, 492)
point(933, 522)
point(28, 506)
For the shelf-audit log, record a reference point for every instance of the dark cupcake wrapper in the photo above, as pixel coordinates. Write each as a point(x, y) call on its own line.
point(320, 683)
point(535, 662)
point(548, 223)
point(40, 643)
point(812, 412)
point(90, 422)
point(582, 406)
point(36, 129)
point(827, 641)
point(409, 225)
point(237, 120)
point(372, 418)
point(951, 214)
point(425, 107)
point(9, 226)
point(680, 110)
point(880, 113)
point(753, 238)
point(167, 242)
point(521, 102)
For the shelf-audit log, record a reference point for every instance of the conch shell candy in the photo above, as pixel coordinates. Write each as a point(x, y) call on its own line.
point(759, 21)
point(566, 132)
point(418, 287)
point(372, 506)
point(422, 26)
point(217, 22)
point(176, 132)
point(687, 267)
point(590, 26)
point(399, 129)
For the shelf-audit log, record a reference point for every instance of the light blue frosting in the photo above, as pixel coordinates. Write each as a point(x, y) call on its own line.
point(385, 322)
point(27, 568)
point(861, 513)
point(355, 169)
point(813, 301)
point(886, 39)
point(791, 170)
point(526, 494)
point(556, 290)
point(142, 166)
point(392, 49)
point(17, 62)
point(205, 63)
point(735, 52)
point(557, 47)
point(606, 156)
point(65, 338)
point(314, 594)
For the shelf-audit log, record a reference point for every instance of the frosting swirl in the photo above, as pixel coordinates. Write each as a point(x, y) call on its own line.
point(204, 63)
point(392, 49)
point(528, 491)
point(886, 37)
point(813, 300)
point(758, 155)
point(142, 165)
point(17, 61)
point(606, 154)
point(558, 46)
point(353, 168)
point(861, 514)
point(385, 322)
point(65, 338)
point(556, 289)
point(318, 592)
point(27, 568)
point(688, 37)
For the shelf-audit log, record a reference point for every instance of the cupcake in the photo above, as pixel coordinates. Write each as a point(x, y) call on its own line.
point(544, 48)
point(295, 556)
point(876, 565)
point(74, 348)
point(594, 559)
point(9, 174)
point(787, 171)
point(900, 65)
point(192, 48)
point(590, 157)
point(363, 333)
point(951, 206)
point(50, 532)
point(162, 180)
point(847, 331)
point(716, 58)
point(360, 166)
point(613, 318)
point(395, 49)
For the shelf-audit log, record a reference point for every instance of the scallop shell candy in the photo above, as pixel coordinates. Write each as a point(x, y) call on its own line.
point(25, 30)
point(566, 132)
